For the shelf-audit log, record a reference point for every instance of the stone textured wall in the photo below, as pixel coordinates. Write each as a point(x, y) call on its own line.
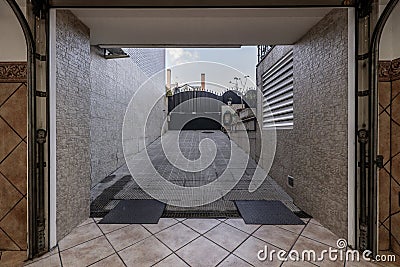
point(113, 83)
point(149, 60)
point(92, 96)
point(72, 121)
point(314, 152)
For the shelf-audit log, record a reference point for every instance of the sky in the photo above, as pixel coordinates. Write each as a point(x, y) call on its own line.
point(242, 59)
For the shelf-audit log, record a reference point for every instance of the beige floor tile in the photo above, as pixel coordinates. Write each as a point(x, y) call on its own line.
point(298, 264)
point(108, 228)
point(276, 236)
point(170, 261)
point(80, 235)
point(201, 225)
point(304, 243)
point(127, 236)
point(161, 225)
point(226, 236)
point(202, 252)
point(87, 221)
point(86, 253)
point(51, 261)
point(314, 221)
point(111, 261)
point(232, 260)
point(293, 228)
point(249, 251)
point(241, 225)
point(177, 236)
point(361, 263)
point(145, 253)
point(13, 258)
point(389, 264)
point(321, 234)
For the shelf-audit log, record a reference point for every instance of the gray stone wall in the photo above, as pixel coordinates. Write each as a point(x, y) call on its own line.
point(92, 96)
point(314, 152)
point(113, 83)
point(72, 121)
point(149, 60)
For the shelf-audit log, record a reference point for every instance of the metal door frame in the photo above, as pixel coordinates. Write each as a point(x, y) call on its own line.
point(34, 182)
point(373, 111)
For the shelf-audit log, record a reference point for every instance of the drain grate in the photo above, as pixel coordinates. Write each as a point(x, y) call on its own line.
point(201, 214)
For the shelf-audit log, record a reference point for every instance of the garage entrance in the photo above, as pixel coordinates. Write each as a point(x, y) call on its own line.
point(295, 31)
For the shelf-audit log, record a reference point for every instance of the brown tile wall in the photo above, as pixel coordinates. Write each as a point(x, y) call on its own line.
point(13, 156)
point(315, 151)
point(389, 147)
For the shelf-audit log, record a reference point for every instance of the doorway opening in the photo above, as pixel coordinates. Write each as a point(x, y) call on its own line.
point(83, 107)
point(208, 108)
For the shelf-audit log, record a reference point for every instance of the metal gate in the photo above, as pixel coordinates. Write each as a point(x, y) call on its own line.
point(198, 110)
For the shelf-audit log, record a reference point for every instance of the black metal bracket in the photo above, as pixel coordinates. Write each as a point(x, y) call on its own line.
point(41, 57)
point(363, 56)
point(40, 7)
point(41, 94)
point(363, 136)
point(379, 161)
point(363, 93)
point(41, 136)
point(364, 7)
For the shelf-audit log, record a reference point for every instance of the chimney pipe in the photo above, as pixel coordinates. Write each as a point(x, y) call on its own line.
point(168, 79)
point(203, 82)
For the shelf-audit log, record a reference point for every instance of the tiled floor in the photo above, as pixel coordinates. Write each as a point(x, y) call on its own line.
point(121, 185)
point(186, 242)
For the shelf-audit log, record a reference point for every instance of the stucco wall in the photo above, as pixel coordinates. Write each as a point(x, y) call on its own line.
point(72, 121)
point(12, 45)
point(314, 152)
point(390, 39)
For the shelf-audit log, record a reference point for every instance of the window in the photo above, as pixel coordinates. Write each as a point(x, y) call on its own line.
point(277, 86)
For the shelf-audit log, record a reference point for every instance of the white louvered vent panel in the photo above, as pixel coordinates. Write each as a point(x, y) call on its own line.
point(277, 88)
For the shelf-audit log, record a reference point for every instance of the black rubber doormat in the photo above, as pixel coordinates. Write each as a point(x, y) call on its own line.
point(268, 212)
point(147, 211)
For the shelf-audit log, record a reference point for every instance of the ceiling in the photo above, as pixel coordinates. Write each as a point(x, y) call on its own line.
point(198, 26)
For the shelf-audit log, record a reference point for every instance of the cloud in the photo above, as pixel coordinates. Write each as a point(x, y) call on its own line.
point(180, 55)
